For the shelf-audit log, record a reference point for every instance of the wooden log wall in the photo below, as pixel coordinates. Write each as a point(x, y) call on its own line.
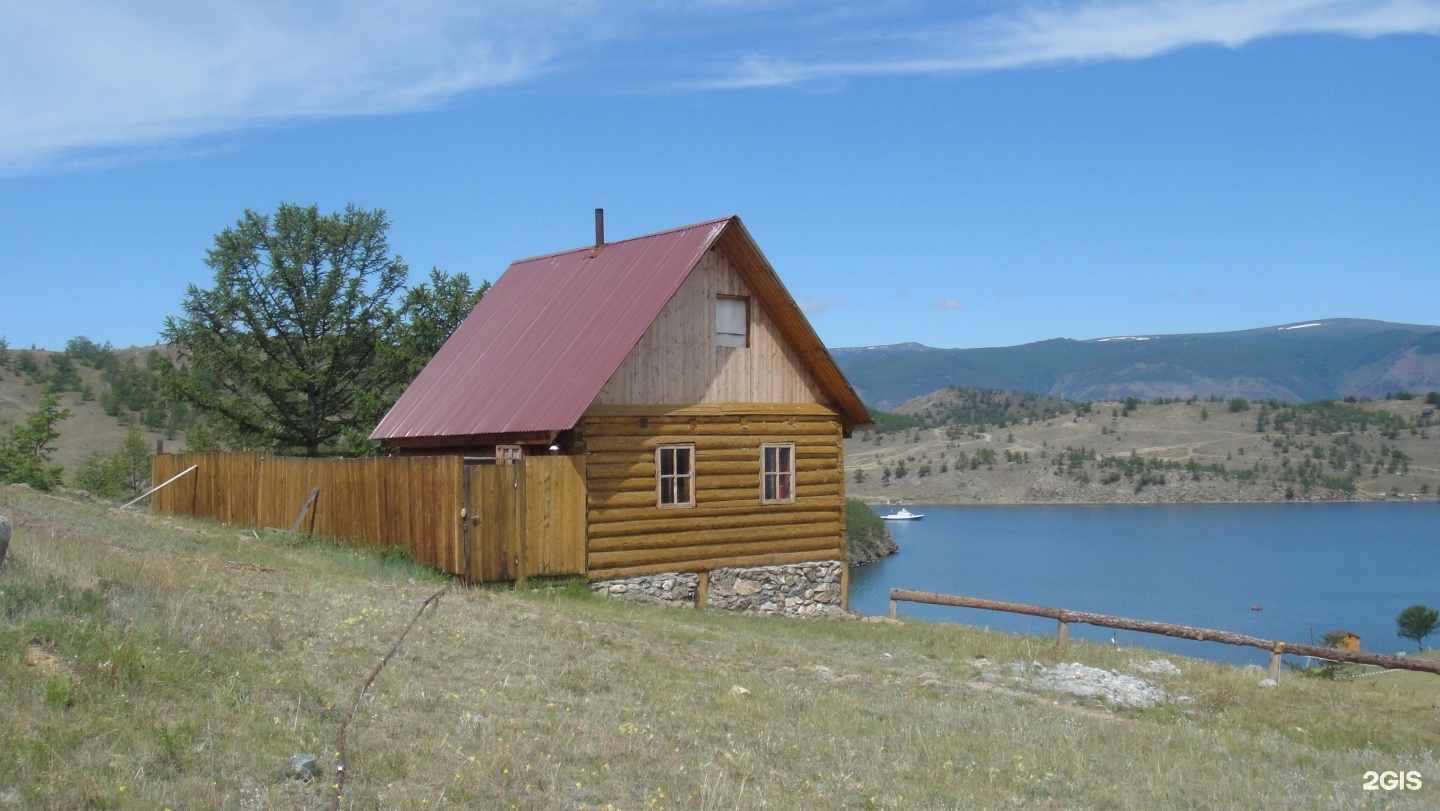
point(728, 527)
point(398, 501)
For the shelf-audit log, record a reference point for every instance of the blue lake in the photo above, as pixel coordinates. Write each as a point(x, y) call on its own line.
point(1311, 568)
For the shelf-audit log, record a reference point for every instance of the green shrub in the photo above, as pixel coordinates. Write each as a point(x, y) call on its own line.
point(125, 473)
point(25, 450)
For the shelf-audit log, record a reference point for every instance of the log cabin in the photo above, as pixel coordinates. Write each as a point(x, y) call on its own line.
point(702, 411)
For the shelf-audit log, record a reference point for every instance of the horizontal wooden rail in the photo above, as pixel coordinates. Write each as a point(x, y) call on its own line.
point(1065, 616)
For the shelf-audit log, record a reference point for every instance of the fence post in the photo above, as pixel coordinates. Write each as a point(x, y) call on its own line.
point(1275, 663)
point(465, 519)
point(303, 510)
point(892, 608)
point(522, 562)
point(1061, 633)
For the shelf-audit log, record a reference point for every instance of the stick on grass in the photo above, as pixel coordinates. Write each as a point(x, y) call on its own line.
point(433, 599)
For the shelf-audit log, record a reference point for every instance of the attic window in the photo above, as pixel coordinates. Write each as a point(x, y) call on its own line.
point(732, 321)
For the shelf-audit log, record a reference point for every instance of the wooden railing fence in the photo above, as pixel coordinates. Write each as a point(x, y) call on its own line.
point(526, 519)
point(1064, 616)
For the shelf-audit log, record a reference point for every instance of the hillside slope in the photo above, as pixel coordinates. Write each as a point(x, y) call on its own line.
point(1325, 359)
point(1177, 452)
point(151, 662)
point(88, 429)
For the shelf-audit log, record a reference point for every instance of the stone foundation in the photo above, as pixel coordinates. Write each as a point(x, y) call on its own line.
point(670, 588)
point(800, 589)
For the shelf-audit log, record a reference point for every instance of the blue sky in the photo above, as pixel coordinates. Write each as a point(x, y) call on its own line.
point(956, 173)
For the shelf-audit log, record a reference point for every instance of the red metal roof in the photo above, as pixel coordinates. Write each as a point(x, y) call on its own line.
point(537, 349)
point(544, 340)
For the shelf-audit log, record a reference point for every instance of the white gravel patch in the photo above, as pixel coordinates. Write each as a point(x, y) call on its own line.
point(1157, 667)
point(1081, 680)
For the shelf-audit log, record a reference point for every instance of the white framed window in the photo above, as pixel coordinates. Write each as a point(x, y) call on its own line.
point(732, 321)
point(675, 476)
point(777, 473)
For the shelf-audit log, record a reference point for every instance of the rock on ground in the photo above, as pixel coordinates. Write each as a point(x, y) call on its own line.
point(303, 767)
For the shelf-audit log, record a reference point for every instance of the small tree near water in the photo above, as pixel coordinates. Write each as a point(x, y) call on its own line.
point(1417, 622)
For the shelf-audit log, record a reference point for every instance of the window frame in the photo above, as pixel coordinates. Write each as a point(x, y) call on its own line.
point(745, 341)
point(662, 478)
point(781, 477)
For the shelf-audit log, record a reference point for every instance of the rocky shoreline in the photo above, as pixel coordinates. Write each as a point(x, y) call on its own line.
point(871, 548)
point(866, 537)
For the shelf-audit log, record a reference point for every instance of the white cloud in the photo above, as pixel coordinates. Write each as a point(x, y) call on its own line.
point(819, 306)
point(1035, 34)
point(77, 76)
point(950, 304)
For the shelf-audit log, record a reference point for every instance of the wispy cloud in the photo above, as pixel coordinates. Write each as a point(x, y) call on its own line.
point(819, 306)
point(954, 305)
point(77, 78)
point(1035, 34)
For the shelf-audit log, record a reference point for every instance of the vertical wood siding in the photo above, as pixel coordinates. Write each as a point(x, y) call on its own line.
point(527, 520)
point(677, 361)
point(495, 531)
point(629, 535)
point(554, 515)
point(400, 501)
point(223, 486)
point(531, 514)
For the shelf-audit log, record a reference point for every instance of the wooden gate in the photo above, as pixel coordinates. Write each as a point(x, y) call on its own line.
point(525, 519)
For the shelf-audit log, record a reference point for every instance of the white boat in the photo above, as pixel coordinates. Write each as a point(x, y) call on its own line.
point(903, 515)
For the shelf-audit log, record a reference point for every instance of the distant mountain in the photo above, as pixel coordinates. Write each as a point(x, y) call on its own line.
point(1300, 362)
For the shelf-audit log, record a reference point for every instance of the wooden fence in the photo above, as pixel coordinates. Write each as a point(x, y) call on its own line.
point(526, 519)
point(479, 521)
point(1064, 616)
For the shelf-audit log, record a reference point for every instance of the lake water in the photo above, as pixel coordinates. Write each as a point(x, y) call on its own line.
point(1309, 566)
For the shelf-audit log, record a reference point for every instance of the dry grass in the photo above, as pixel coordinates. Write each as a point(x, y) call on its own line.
point(156, 663)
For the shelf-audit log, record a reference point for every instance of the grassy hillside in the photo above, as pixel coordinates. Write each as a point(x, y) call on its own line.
point(158, 663)
point(987, 446)
point(104, 397)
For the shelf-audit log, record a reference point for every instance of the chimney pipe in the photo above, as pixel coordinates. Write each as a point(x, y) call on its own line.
point(599, 228)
